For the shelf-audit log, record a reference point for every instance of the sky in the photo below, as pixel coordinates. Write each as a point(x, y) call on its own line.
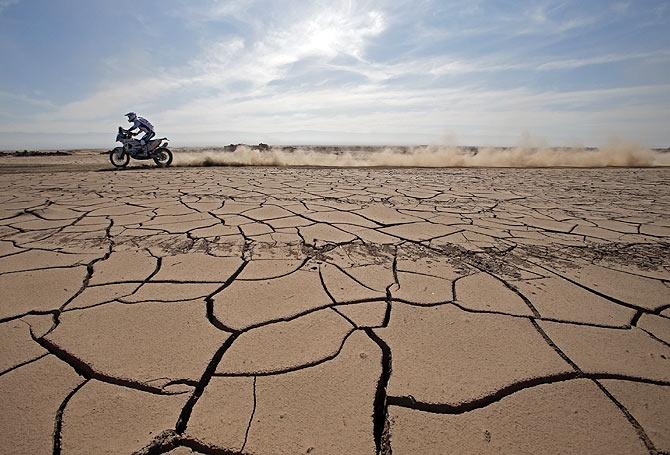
point(210, 72)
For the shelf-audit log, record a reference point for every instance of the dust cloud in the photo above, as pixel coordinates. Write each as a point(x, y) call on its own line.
point(616, 154)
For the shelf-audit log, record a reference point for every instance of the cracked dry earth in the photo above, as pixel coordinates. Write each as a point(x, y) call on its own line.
point(335, 311)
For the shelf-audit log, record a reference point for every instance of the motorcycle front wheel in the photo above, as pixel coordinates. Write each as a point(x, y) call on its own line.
point(163, 157)
point(119, 159)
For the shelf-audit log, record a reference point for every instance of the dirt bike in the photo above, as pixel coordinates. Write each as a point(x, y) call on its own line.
point(155, 150)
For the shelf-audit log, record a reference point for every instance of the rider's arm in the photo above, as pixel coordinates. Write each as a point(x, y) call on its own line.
point(134, 127)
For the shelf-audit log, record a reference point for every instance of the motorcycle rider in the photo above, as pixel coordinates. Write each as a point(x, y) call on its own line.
point(143, 125)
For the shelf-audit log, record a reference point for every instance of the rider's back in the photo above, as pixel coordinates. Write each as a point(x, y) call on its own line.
point(141, 122)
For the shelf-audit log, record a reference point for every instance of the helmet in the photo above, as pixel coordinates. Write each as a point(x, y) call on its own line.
point(131, 116)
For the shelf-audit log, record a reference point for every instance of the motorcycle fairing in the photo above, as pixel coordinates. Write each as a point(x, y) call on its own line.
point(138, 151)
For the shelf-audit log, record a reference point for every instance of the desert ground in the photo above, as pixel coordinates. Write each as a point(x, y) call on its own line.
point(294, 310)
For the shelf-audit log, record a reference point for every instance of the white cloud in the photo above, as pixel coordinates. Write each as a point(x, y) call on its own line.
point(620, 7)
point(7, 3)
point(340, 29)
point(337, 30)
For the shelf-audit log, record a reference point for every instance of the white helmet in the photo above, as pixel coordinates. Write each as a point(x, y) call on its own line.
point(131, 116)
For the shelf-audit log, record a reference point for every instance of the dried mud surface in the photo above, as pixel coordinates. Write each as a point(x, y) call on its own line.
point(299, 310)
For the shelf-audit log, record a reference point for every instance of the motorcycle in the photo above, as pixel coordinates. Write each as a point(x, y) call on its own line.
point(155, 150)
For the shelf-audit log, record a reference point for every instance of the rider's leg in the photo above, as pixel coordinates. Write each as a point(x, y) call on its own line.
point(147, 137)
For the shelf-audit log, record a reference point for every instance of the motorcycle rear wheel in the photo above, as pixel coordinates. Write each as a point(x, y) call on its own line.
point(119, 161)
point(163, 157)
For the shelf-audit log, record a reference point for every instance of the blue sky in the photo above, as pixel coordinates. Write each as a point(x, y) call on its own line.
point(209, 72)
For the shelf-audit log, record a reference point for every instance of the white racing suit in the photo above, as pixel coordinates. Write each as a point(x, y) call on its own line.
point(144, 126)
